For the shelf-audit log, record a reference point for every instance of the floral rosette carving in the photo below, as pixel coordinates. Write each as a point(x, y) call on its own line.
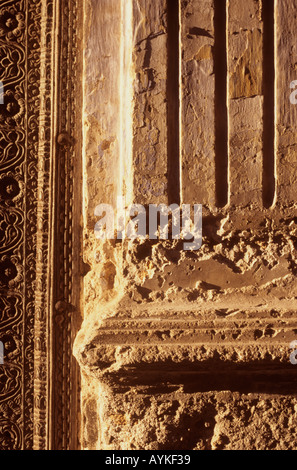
point(13, 108)
point(11, 189)
point(10, 272)
point(12, 22)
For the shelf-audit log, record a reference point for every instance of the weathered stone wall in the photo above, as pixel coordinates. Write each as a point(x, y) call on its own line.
point(188, 102)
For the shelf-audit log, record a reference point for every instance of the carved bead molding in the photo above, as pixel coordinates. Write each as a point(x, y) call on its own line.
point(39, 249)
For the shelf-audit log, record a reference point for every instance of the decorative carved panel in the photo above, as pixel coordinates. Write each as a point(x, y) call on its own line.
point(39, 250)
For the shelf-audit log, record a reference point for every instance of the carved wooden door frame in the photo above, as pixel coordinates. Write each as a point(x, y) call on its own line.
point(40, 232)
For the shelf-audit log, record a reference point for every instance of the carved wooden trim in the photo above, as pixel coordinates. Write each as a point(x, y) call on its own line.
point(39, 252)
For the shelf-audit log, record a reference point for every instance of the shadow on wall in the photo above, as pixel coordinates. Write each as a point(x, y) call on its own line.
point(254, 377)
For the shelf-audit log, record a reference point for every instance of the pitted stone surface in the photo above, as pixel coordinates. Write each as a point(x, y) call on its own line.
point(190, 349)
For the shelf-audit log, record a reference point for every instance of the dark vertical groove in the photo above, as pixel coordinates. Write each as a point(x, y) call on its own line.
point(269, 97)
point(221, 112)
point(173, 102)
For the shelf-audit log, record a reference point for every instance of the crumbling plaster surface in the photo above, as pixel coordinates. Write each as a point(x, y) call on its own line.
point(201, 421)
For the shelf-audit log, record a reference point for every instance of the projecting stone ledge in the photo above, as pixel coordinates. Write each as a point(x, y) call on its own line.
point(205, 382)
point(185, 343)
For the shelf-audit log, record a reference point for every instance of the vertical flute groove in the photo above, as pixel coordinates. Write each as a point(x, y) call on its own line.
point(173, 101)
point(221, 109)
point(269, 103)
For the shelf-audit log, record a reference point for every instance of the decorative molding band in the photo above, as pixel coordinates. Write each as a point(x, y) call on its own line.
point(38, 57)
